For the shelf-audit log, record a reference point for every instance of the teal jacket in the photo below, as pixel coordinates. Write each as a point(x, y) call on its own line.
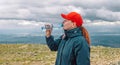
point(72, 50)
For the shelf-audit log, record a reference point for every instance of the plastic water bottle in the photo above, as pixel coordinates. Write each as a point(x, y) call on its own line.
point(51, 26)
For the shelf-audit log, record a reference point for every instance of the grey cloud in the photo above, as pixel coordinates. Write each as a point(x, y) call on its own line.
point(102, 14)
point(39, 10)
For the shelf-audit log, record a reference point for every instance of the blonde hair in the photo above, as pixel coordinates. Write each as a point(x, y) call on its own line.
point(85, 34)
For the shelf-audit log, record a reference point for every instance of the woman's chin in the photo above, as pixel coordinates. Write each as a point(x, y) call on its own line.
point(64, 28)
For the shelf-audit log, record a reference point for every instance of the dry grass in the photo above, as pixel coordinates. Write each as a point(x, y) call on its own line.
point(38, 54)
point(105, 56)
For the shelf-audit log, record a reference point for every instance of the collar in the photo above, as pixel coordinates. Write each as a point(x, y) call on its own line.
point(73, 32)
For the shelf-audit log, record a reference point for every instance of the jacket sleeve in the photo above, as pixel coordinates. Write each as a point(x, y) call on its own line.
point(82, 53)
point(53, 44)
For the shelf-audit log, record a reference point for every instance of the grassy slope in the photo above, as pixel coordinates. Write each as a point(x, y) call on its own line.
point(37, 54)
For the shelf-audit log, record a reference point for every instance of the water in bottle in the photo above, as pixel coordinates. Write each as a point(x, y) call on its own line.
point(51, 26)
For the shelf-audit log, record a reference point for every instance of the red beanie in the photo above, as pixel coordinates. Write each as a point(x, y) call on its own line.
point(74, 17)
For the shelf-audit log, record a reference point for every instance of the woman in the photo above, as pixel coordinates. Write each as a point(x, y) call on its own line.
point(73, 47)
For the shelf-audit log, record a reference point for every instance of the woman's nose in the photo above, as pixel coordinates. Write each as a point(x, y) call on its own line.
point(64, 21)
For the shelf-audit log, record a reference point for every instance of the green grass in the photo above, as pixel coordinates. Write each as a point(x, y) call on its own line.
point(38, 54)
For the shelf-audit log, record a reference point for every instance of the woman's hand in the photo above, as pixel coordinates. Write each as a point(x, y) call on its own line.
point(48, 31)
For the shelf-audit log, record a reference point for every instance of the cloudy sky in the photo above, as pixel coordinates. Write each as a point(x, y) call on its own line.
point(25, 15)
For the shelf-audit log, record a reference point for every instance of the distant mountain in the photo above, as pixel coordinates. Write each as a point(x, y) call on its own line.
point(103, 39)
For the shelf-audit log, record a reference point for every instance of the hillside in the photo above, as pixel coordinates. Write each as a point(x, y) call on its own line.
point(38, 54)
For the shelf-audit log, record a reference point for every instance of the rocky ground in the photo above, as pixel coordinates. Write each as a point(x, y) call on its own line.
point(38, 54)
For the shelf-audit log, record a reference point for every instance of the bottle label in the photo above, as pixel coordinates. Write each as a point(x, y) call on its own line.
point(48, 27)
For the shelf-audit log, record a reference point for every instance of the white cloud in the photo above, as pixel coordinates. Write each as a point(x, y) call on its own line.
point(109, 15)
point(73, 8)
point(101, 23)
point(33, 9)
point(17, 13)
point(20, 24)
point(23, 13)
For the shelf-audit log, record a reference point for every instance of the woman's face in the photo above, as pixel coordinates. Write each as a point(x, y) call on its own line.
point(68, 24)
